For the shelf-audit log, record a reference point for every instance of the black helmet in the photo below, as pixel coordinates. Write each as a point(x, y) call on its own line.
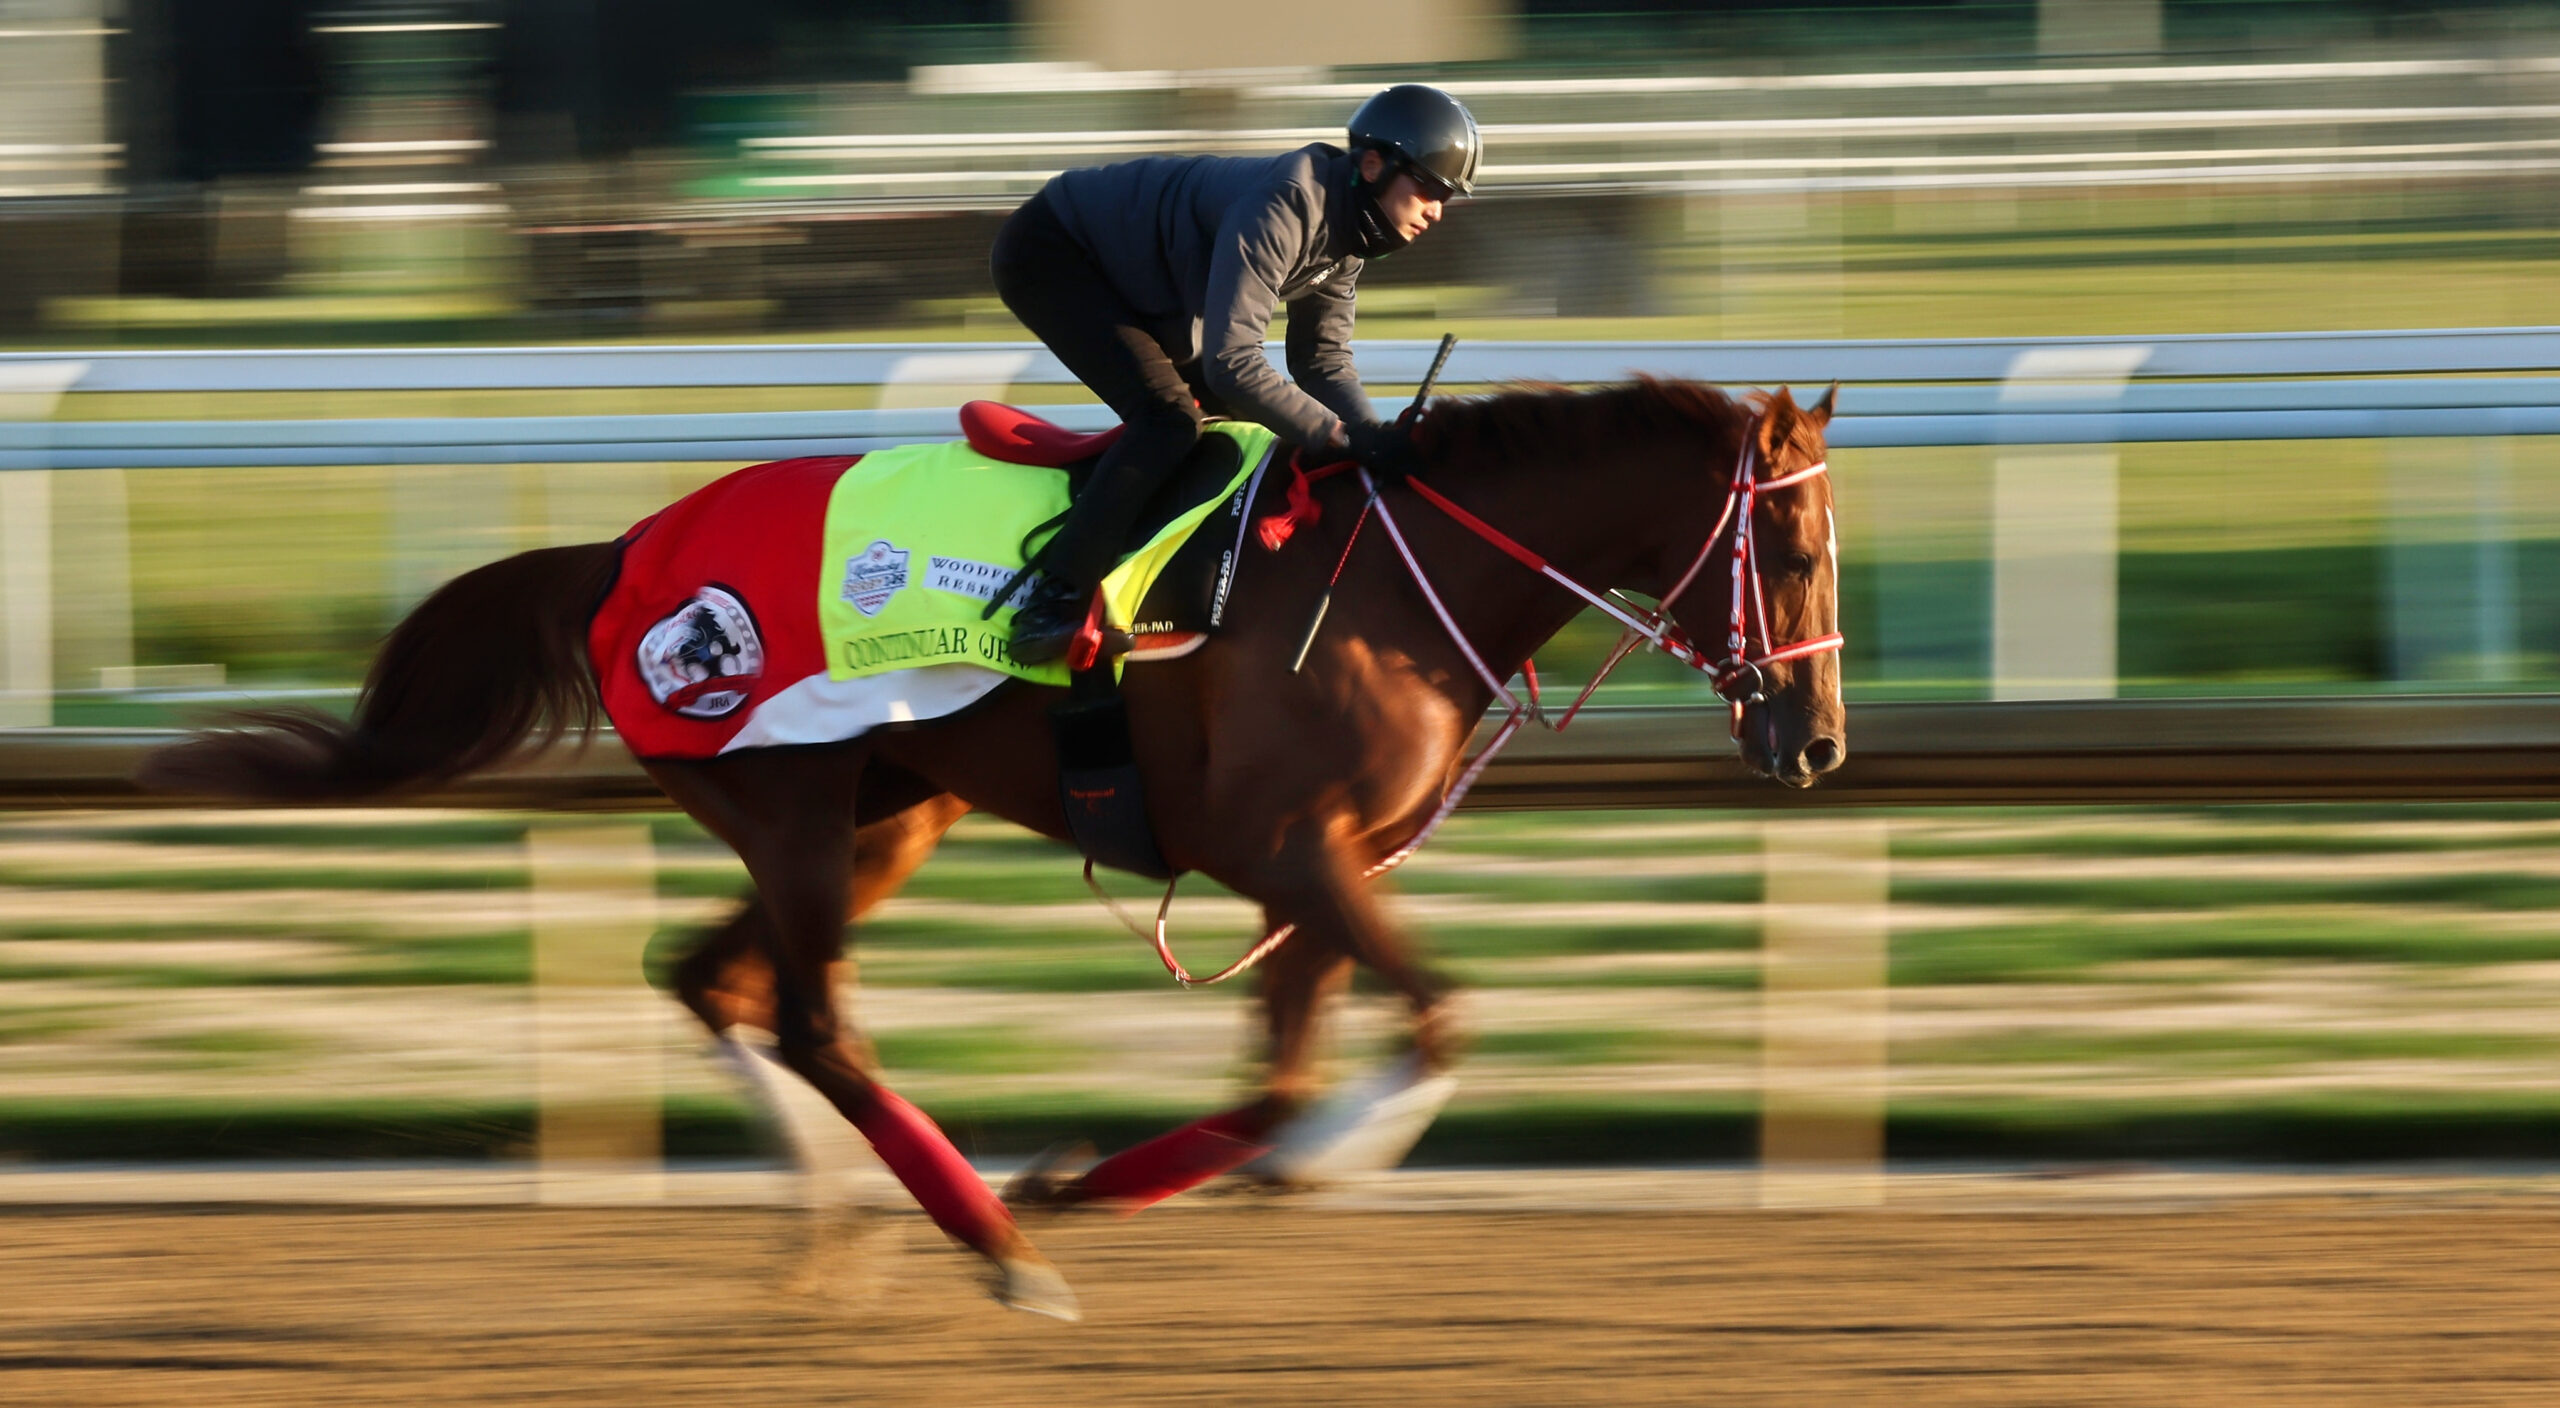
point(1423, 129)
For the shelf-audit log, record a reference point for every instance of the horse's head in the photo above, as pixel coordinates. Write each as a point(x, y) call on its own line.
point(1783, 675)
point(1654, 477)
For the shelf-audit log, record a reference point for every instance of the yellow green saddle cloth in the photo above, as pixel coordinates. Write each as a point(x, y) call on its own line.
point(920, 538)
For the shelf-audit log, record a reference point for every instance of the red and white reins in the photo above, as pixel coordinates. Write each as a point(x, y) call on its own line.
point(1736, 677)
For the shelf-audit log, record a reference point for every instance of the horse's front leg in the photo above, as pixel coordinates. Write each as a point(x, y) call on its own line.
point(1338, 923)
point(1367, 1125)
point(792, 821)
point(1371, 1123)
point(1320, 884)
point(1296, 981)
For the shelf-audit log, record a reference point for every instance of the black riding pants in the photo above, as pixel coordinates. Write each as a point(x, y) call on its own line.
point(1058, 292)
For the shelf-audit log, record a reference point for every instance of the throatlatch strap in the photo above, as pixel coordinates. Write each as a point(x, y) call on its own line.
point(1098, 776)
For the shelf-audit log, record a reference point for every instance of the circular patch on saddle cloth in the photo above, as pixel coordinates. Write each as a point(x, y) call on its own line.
point(696, 659)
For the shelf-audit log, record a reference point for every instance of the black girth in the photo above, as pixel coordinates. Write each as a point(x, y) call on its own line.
point(1098, 776)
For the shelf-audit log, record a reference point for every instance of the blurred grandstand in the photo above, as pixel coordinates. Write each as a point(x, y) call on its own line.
point(287, 170)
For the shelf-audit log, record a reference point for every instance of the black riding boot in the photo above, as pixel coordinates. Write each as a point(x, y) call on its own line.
point(1046, 625)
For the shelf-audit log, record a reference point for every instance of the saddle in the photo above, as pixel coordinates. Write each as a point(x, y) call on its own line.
point(1016, 436)
point(1099, 785)
point(1188, 601)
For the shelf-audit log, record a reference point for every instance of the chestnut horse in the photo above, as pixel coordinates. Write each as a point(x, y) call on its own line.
point(1286, 785)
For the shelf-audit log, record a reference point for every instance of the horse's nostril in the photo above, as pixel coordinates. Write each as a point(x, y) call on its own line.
point(1824, 754)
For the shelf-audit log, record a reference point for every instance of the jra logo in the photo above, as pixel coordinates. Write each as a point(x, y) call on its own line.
point(700, 659)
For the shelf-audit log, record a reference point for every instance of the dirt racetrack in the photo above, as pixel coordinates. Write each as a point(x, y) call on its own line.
point(2300, 1301)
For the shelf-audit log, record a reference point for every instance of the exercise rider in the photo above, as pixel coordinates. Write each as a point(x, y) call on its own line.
point(1154, 281)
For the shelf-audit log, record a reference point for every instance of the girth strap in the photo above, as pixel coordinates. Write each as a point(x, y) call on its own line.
point(1098, 782)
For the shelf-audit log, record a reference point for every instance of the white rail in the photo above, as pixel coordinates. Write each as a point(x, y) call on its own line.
point(1982, 391)
point(2413, 352)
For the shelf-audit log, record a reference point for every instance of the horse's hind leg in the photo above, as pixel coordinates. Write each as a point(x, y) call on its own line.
point(724, 979)
point(791, 818)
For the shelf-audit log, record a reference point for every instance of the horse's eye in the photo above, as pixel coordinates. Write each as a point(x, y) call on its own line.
point(1799, 564)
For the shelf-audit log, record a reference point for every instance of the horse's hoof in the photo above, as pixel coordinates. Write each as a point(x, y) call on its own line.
point(1043, 1183)
point(1364, 1128)
point(1027, 1283)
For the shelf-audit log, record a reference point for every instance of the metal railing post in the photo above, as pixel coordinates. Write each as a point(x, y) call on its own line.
point(600, 1031)
point(1822, 1008)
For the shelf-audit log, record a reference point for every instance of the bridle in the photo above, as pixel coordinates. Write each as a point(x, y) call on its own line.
point(1750, 610)
point(1736, 676)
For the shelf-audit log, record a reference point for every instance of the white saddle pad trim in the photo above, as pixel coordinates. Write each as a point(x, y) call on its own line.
point(821, 710)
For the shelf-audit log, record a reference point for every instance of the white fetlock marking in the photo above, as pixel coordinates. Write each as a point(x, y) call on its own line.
point(836, 1162)
point(1365, 1127)
point(1037, 1288)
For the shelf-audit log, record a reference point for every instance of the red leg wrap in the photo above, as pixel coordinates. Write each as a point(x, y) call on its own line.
point(1169, 1163)
point(917, 1151)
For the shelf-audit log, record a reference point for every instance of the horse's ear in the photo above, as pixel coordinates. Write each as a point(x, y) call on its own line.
point(1778, 417)
point(1820, 410)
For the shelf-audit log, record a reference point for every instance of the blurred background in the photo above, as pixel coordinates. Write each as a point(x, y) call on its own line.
point(225, 175)
point(291, 174)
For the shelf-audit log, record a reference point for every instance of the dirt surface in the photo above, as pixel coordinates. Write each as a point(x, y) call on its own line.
point(2297, 1301)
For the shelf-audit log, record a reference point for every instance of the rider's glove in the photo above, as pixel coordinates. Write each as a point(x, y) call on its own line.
point(1385, 449)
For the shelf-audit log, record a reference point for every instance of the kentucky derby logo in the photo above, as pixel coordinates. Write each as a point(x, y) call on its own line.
point(699, 660)
point(875, 575)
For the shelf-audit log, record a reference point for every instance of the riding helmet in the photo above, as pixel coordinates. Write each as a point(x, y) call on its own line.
point(1424, 129)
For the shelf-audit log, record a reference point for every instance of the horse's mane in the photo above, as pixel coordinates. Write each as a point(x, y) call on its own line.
point(1537, 420)
point(1542, 421)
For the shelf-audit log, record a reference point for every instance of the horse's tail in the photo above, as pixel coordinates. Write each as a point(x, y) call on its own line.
point(493, 657)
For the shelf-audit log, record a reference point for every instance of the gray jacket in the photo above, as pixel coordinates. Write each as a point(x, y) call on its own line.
point(1209, 246)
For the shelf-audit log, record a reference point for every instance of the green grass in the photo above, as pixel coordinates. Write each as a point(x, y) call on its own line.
point(2217, 841)
point(2483, 890)
point(1493, 887)
point(1498, 974)
point(2028, 953)
point(466, 831)
point(2248, 1049)
point(73, 930)
point(228, 1041)
point(1606, 1046)
point(1126, 967)
point(992, 1049)
point(228, 1047)
point(39, 1023)
point(962, 875)
point(1489, 942)
point(997, 934)
point(497, 958)
point(1640, 833)
point(249, 876)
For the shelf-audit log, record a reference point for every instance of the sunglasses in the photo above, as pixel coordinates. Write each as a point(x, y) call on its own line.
point(1433, 188)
